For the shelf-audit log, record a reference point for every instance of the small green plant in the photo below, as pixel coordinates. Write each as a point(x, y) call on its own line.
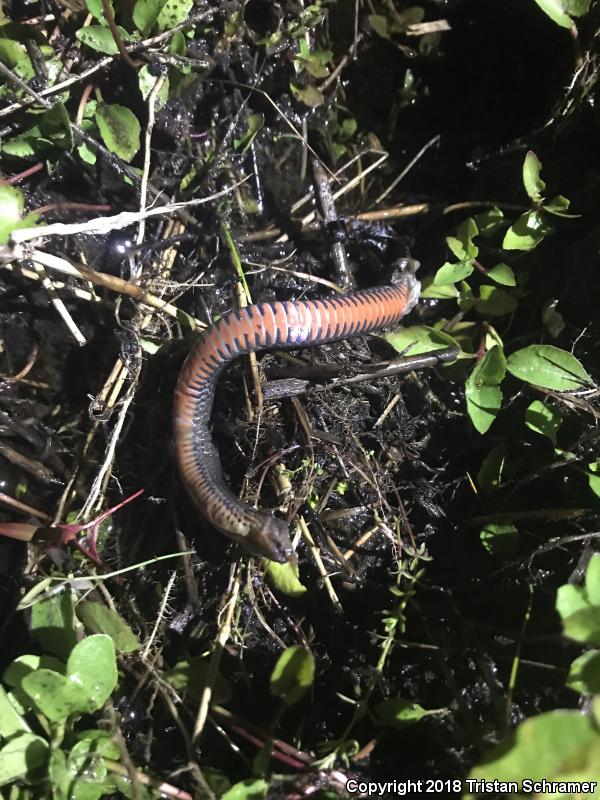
point(497, 293)
point(561, 745)
point(563, 11)
point(45, 746)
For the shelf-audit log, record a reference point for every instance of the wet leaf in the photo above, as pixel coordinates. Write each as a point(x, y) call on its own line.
point(482, 389)
point(190, 678)
point(309, 95)
point(119, 128)
point(145, 13)
point(489, 221)
point(552, 319)
point(553, 746)
point(53, 624)
point(502, 274)
point(293, 674)
point(429, 290)
point(419, 339)
point(555, 9)
point(99, 618)
point(97, 11)
point(527, 231)
point(453, 273)
point(100, 38)
point(543, 419)
point(558, 206)
point(23, 758)
point(584, 674)
point(532, 181)
point(500, 540)
point(285, 578)
point(548, 367)
point(380, 25)
point(399, 713)
point(495, 302)
point(11, 722)
point(489, 476)
point(147, 81)
point(173, 13)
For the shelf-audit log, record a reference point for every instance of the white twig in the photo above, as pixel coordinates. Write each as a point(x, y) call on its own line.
point(104, 225)
point(59, 305)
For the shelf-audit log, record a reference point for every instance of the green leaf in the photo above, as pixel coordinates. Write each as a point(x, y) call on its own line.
point(53, 624)
point(489, 476)
point(555, 9)
point(399, 713)
point(87, 767)
point(500, 540)
point(465, 233)
point(584, 674)
point(553, 746)
point(583, 625)
point(120, 130)
point(190, 677)
point(285, 578)
point(90, 677)
point(145, 13)
point(558, 206)
point(250, 789)
point(548, 367)
point(56, 126)
point(98, 618)
point(502, 274)
point(482, 389)
point(100, 38)
point(173, 13)
point(593, 477)
point(527, 231)
point(419, 339)
point(453, 273)
point(309, 95)
point(23, 758)
point(543, 419)
point(11, 722)
point(380, 25)
point(570, 599)
point(92, 666)
point(534, 185)
point(552, 319)
point(11, 209)
point(293, 674)
point(592, 580)
point(430, 291)
point(576, 8)
point(489, 221)
point(495, 302)
point(12, 52)
point(147, 81)
point(97, 11)
point(26, 664)
point(53, 695)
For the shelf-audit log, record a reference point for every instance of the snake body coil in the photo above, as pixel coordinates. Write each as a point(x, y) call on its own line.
point(264, 326)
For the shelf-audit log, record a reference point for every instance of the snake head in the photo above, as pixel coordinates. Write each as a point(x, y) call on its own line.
point(269, 537)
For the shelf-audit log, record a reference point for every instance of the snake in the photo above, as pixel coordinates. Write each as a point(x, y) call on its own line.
point(277, 325)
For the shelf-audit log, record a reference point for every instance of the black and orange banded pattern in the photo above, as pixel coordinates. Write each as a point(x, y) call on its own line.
point(278, 326)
